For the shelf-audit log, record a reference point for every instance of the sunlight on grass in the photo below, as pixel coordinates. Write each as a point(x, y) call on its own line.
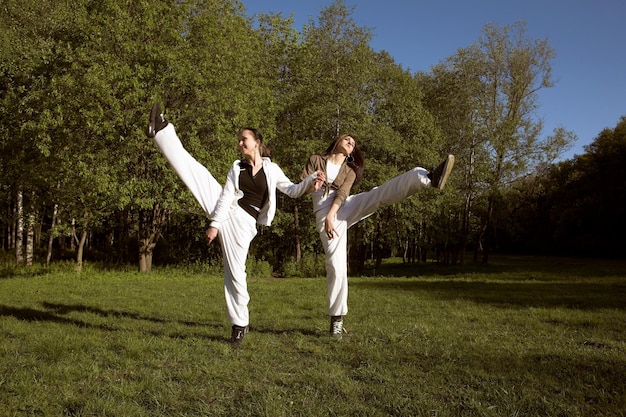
point(510, 339)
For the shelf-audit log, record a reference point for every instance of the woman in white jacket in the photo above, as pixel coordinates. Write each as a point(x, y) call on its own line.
point(247, 198)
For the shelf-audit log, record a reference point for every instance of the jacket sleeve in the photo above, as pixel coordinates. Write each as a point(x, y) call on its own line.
point(313, 164)
point(286, 186)
point(230, 194)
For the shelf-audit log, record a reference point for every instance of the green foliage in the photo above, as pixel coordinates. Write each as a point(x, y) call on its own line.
point(573, 206)
point(485, 97)
point(310, 266)
point(258, 268)
point(110, 58)
point(324, 89)
point(77, 80)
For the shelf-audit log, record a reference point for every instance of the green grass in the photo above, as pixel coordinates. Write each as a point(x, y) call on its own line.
point(519, 337)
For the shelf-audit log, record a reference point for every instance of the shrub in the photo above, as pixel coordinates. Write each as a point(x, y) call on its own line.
point(310, 266)
point(258, 268)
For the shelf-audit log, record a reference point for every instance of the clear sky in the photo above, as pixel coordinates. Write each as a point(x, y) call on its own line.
point(589, 37)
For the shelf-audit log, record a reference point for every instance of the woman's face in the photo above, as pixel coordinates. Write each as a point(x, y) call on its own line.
point(346, 145)
point(248, 145)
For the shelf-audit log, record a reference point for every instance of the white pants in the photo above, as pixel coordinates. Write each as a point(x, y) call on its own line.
point(236, 233)
point(356, 208)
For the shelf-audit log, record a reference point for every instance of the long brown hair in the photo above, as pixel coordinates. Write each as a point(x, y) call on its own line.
point(356, 160)
point(263, 150)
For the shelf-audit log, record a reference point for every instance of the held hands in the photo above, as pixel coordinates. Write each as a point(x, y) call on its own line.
point(319, 180)
point(211, 233)
point(329, 225)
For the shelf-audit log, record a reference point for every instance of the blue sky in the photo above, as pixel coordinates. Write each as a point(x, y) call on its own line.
point(589, 37)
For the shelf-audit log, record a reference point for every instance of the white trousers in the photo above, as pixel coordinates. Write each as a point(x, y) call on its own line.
point(356, 208)
point(236, 233)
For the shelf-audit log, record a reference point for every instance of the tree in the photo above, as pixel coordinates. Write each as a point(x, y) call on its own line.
point(583, 198)
point(402, 134)
point(280, 44)
point(451, 94)
point(495, 118)
point(332, 82)
point(215, 85)
point(40, 54)
point(322, 90)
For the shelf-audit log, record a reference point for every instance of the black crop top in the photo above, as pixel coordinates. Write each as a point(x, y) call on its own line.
point(254, 188)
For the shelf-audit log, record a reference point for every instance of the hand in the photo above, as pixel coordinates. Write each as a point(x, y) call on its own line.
point(329, 227)
point(319, 180)
point(211, 233)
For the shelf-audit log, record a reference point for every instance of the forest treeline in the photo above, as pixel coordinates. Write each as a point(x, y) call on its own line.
point(81, 181)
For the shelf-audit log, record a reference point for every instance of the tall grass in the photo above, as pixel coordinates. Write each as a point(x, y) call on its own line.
point(520, 337)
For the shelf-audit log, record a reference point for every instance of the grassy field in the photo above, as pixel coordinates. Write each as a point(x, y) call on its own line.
point(518, 337)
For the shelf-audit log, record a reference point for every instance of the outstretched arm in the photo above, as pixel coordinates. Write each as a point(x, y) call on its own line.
point(286, 186)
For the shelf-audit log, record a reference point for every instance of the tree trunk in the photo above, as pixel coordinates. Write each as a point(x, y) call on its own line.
point(401, 242)
point(30, 231)
point(487, 231)
point(377, 244)
point(19, 228)
point(145, 261)
point(55, 212)
point(150, 225)
point(30, 240)
point(123, 237)
point(8, 235)
point(296, 225)
point(465, 225)
point(469, 197)
point(80, 250)
point(74, 240)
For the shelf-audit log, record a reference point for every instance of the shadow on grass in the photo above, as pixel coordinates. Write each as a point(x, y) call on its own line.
point(582, 296)
point(31, 314)
point(590, 385)
point(54, 313)
point(68, 308)
point(503, 264)
point(286, 331)
point(13, 272)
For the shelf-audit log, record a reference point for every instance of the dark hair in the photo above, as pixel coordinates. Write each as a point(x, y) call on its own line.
point(263, 150)
point(356, 160)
